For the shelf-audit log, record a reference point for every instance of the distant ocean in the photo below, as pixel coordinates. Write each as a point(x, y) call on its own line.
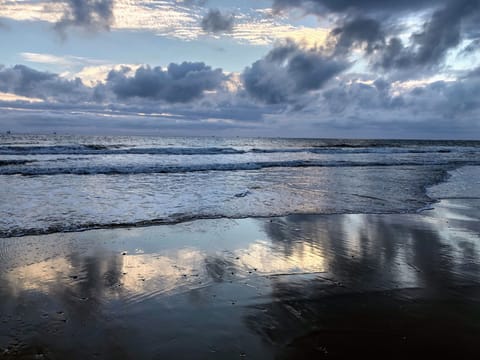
point(55, 183)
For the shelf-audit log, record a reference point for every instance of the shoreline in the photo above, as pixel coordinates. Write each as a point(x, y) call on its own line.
point(447, 174)
point(285, 287)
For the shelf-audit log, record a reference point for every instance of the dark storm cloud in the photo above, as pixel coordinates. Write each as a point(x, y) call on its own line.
point(471, 26)
point(91, 15)
point(441, 33)
point(374, 25)
point(216, 22)
point(359, 31)
point(395, 55)
point(180, 83)
point(288, 72)
point(323, 6)
point(25, 81)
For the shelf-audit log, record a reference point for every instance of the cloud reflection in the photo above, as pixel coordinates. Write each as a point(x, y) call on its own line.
point(290, 274)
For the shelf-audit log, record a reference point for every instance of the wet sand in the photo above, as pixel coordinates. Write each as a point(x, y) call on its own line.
point(333, 286)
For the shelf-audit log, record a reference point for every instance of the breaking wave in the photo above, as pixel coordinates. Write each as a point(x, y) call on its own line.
point(172, 169)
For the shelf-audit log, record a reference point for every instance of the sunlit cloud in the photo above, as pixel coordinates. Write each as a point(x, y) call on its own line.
point(265, 32)
point(14, 97)
point(174, 20)
point(26, 10)
point(408, 85)
point(162, 17)
point(92, 75)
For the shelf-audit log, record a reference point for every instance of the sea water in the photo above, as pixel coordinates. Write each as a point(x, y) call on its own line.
point(52, 183)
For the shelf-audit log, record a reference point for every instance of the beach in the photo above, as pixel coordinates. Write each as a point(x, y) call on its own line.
point(391, 285)
point(271, 180)
point(217, 248)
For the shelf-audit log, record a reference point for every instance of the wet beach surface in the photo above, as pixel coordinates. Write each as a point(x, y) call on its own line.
point(332, 286)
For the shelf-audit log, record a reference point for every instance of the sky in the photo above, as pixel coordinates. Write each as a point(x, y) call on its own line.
point(290, 68)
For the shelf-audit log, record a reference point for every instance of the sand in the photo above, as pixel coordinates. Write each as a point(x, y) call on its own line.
point(303, 286)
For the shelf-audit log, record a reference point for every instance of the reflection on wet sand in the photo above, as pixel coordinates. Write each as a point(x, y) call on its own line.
point(407, 285)
point(288, 287)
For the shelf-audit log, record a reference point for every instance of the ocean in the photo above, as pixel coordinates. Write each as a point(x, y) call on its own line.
point(53, 183)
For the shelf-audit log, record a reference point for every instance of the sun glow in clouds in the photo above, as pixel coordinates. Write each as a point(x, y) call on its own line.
point(14, 97)
point(170, 19)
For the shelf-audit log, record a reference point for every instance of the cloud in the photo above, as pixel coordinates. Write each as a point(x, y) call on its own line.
point(25, 81)
point(441, 33)
point(359, 31)
point(445, 101)
point(362, 96)
point(179, 83)
point(92, 15)
point(291, 74)
point(216, 22)
point(472, 47)
point(287, 72)
point(452, 99)
point(168, 18)
point(192, 2)
point(320, 7)
point(475, 73)
point(379, 29)
point(61, 62)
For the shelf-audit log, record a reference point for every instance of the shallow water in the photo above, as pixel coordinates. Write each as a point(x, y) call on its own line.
point(70, 183)
point(295, 287)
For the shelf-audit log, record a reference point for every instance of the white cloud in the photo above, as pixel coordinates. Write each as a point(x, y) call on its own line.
point(174, 20)
point(30, 10)
point(64, 61)
point(268, 31)
point(91, 75)
point(162, 17)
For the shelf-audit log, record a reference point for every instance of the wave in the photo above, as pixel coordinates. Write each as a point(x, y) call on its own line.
point(17, 232)
point(58, 225)
point(178, 219)
point(353, 150)
point(97, 149)
point(113, 150)
point(15, 162)
point(169, 169)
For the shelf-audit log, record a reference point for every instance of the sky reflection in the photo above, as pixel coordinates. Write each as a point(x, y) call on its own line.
point(251, 272)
